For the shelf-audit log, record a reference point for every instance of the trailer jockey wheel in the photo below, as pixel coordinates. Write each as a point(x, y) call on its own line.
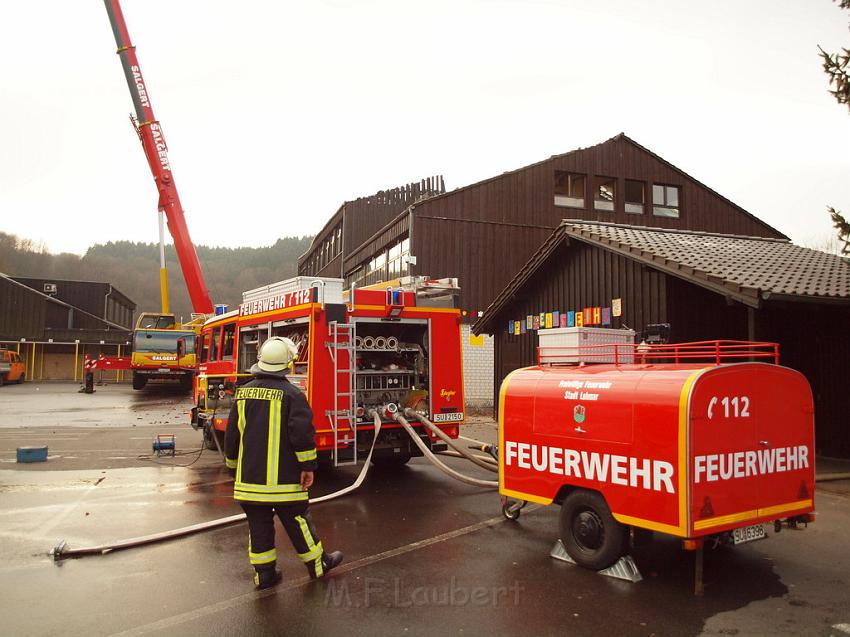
point(590, 534)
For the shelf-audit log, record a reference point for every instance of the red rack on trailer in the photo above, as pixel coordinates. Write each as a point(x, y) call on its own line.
point(390, 347)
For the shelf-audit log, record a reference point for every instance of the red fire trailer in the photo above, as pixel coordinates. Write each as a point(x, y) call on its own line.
point(387, 348)
point(693, 440)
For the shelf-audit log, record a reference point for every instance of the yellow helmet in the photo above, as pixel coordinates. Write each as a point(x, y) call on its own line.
point(277, 354)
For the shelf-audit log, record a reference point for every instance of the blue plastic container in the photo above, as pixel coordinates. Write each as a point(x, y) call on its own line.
point(32, 454)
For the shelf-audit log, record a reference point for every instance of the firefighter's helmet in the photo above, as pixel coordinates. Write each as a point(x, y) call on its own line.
point(277, 354)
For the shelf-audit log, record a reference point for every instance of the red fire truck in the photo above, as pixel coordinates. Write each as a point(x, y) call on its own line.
point(693, 440)
point(392, 346)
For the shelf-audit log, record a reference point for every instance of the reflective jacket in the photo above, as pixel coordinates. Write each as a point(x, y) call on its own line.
point(270, 440)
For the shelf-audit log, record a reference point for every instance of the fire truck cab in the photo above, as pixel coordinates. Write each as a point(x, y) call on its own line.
point(391, 346)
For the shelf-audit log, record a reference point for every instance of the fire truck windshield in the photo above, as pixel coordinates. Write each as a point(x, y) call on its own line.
point(151, 341)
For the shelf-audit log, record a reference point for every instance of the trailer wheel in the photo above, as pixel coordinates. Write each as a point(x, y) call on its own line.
point(590, 534)
point(509, 512)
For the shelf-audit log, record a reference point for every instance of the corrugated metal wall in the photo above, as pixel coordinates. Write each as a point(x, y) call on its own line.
point(22, 313)
point(484, 256)
point(813, 338)
point(574, 277)
point(93, 297)
point(500, 222)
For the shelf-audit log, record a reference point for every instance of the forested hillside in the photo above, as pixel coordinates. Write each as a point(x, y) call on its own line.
point(133, 268)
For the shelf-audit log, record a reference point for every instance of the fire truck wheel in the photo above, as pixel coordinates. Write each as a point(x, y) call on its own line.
point(209, 443)
point(139, 381)
point(590, 534)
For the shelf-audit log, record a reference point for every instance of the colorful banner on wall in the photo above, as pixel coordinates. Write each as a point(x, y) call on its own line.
point(585, 317)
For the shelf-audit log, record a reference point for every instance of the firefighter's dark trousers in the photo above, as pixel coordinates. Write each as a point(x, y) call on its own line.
point(298, 525)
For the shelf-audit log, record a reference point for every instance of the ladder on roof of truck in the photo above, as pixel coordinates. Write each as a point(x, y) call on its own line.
point(341, 347)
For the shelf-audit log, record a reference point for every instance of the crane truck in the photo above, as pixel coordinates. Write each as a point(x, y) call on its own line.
point(163, 348)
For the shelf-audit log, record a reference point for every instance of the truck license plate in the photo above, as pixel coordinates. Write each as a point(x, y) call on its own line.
point(749, 534)
point(450, 417)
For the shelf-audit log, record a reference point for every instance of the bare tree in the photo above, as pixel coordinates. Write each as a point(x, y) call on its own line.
point(835, 65)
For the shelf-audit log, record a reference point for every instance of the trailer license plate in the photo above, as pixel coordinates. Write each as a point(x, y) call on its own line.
point(749, 534)
point(451, 417)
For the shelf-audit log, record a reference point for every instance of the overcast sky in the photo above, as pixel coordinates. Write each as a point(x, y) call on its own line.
point(277, 112)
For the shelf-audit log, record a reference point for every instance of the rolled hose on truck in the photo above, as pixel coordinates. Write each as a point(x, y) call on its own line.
point(61, 550)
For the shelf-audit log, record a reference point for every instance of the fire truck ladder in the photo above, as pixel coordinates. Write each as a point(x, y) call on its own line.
point(342, 350)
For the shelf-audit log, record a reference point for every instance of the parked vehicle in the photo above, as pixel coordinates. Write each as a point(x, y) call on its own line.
point(12, 368)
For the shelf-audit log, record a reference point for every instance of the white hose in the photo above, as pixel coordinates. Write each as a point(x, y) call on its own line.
point(455, 454)
point(380, 342)
point(368, 342)
point(477, 442)
point(451, 443)
point(493, 484)
point(60, 551)
point(392, 343)
point(363, 471)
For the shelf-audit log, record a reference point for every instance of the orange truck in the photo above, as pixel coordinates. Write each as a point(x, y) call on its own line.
point(12, 368)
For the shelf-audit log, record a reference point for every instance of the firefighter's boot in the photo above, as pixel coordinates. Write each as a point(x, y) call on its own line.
point(266, 577)
point(328, 561)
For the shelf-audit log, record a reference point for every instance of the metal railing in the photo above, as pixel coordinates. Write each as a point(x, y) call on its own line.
point(717, 352)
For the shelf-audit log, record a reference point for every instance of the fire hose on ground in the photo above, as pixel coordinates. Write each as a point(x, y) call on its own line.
point(451, 443)
point(439, 463)
point(61, 550)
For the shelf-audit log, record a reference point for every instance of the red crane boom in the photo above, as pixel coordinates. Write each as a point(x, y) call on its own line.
point(156, 152)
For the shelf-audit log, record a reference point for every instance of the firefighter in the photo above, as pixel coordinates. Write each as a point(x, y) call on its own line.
point(88, 366)
point(270, 442)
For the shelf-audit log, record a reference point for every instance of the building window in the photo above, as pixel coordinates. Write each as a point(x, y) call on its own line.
point(227, 343)
point(205, 348)
point(603, 193)
point(665, 201)
point(376, 269)
point(569, 189)
point(397, 264)
point(635, 196)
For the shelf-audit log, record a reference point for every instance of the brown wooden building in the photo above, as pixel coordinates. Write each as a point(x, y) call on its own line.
point(484, 233)
point(706, 286)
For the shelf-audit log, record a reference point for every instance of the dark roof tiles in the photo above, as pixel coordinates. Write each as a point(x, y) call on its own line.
point(770, 265)
point(746, 268)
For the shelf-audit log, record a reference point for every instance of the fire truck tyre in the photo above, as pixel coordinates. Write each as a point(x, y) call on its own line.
point(590, 534)
point(209, 443)
point(186, 382)
point(139, 381)
point(389, 462)
point(20, 379)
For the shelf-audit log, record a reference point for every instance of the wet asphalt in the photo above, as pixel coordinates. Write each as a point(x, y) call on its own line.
point(425, 555)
